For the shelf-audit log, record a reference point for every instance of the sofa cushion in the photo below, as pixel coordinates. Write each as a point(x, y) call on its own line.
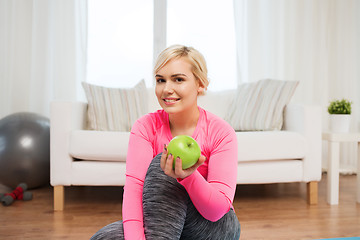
point(252, 146)
point(115, 109)
point(217, 102)
point(270, 145)
point(259, 106)
point(152, 102)
point(99, 145)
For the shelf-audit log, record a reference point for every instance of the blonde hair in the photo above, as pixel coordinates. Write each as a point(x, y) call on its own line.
point(195, 58)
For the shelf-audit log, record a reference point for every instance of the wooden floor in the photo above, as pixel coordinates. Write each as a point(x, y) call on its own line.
point(273, 211)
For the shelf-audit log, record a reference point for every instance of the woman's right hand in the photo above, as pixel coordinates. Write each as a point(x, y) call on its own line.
point(166, 164)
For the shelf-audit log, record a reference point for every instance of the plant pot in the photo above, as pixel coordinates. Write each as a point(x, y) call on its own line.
point(340, 123)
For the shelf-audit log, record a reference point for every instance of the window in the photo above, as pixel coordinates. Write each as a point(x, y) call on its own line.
point(208, 26)
point(120, 42)
point(120, 39)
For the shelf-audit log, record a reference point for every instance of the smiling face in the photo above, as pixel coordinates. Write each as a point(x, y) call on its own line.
point(176, 86)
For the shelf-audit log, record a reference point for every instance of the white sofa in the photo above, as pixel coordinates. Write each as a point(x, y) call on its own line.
point(92, 158)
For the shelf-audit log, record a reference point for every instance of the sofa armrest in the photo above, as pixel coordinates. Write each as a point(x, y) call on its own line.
point(64, 117)
point(306, 119)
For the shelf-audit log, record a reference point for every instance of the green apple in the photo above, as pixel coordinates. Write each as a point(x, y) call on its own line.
point(186, 148)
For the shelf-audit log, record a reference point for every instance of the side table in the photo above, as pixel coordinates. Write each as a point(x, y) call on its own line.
point(334, 140)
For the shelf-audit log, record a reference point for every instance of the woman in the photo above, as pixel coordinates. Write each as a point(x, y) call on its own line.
point(162, 202)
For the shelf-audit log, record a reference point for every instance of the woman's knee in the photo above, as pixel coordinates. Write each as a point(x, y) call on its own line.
point(160, 189)
point(158, 184)
point(164, 204)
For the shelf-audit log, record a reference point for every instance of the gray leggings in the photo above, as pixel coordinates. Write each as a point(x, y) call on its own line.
point(170, 214)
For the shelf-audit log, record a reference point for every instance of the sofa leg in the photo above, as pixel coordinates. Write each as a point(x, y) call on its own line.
point(59, 198)
point(312, 193)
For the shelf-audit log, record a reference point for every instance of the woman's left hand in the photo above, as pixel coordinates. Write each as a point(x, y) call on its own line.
point(166, 164)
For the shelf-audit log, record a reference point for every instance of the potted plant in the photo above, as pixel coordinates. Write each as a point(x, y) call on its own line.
point(340, 112)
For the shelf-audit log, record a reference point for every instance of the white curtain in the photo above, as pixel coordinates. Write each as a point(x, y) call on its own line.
point(43, 53)
point(160, 23)
point(315, 42)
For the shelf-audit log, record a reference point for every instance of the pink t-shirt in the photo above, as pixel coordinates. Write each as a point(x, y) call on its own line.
point(211, 187)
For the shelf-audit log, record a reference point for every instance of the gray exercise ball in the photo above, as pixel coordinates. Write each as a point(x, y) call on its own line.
point(25, 150)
